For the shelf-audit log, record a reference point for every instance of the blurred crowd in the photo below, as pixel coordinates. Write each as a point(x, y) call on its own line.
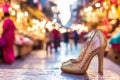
point(54, 37)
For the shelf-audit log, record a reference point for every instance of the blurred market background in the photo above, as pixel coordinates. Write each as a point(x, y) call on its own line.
point(33, 17)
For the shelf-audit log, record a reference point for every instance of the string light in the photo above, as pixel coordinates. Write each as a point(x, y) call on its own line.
point(97, 5)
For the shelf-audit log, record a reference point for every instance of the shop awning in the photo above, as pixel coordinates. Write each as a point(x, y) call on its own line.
point(35, 12)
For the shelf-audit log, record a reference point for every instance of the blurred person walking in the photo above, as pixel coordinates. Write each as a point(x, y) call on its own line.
point(48, 41)
point(56, 37)
point(66, 38)
point(76, 38)
point(7, 39)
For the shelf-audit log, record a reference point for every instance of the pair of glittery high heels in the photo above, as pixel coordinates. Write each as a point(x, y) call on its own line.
point(95, 45)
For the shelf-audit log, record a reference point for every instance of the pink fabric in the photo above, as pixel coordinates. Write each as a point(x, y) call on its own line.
point(8, 37)
point(5, 7)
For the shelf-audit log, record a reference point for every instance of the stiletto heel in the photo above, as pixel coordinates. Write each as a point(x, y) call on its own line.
point(95, 45)
point(100, 61)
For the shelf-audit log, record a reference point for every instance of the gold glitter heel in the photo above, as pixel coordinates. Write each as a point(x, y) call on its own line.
point(100, 59)
point(95, 45)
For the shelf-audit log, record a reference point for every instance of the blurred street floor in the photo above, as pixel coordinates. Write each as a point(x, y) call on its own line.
point(39, 60)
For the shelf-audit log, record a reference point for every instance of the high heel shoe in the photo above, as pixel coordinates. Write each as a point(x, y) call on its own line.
point(95, 45)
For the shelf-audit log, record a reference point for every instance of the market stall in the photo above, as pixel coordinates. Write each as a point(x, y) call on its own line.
point(30, 27)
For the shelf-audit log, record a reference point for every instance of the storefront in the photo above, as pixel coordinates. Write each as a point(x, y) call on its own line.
point(30, 26)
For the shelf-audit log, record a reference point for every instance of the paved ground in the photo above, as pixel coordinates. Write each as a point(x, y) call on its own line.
point(37, 74)
point(52, 62)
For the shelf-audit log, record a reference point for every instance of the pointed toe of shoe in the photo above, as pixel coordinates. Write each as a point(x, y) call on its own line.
point(71, 69)
point(65, 68)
